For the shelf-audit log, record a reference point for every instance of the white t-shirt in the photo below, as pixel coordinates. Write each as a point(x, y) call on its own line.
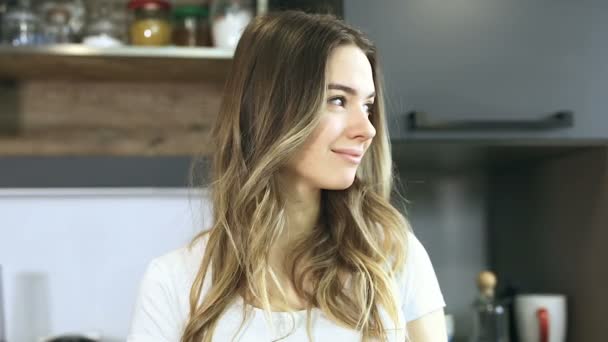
point(162, 306)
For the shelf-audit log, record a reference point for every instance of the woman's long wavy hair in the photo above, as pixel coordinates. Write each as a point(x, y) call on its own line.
point(271, 105)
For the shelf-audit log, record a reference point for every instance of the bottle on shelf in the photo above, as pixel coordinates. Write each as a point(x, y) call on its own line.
point(490, 317)
point(62, 20)
point(21, 25)
point(191, 26)
point(106, 26)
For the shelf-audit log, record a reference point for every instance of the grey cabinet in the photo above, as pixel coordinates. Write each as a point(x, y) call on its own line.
point(492, 60)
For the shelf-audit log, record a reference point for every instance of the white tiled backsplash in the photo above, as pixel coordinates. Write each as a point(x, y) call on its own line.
point(72, 259)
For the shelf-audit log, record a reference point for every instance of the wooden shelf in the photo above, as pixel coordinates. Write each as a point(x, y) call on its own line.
point(127, 63)
point(109, 141)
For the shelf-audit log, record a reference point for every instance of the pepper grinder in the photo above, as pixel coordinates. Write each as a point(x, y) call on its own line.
point(490, 318)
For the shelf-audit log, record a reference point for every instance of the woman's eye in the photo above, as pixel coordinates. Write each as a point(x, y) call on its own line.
point(369, 108)
point(338, 101)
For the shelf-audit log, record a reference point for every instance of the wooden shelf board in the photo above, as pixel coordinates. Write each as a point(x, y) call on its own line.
point(110, 141)
point(75, 61)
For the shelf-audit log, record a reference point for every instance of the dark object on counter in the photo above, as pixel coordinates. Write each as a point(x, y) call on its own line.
point(191, 26)
point(72, 338)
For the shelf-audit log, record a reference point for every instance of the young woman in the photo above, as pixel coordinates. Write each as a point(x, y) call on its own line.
point(305, 244)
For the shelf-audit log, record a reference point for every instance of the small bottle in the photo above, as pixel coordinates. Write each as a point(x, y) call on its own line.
point(191, 26)
point(21, 26)
point(490, 318)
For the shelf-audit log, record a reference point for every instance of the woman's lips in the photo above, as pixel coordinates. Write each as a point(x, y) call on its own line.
point(351, 155)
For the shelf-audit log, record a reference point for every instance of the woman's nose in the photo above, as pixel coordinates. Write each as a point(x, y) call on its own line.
point(361, 126)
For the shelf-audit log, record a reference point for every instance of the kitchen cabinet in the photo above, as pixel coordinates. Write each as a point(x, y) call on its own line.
point(496, 60)
point(73, 100)
point(547, 233)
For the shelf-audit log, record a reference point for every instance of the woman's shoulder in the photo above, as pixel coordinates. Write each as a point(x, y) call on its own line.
point(181, 263)
point(162, 304)
point(418, 283)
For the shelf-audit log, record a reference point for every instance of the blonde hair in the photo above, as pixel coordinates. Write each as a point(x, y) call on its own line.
point(270, 107)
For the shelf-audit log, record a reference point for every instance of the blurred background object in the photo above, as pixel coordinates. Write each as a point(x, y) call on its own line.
point(191, 26)
point(62, 20)
point(107, 23)
point(228, 20)
point(150, 25)
point(21, 25)
point(335, 7)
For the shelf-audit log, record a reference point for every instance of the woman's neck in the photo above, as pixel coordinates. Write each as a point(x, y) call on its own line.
point(302, 208)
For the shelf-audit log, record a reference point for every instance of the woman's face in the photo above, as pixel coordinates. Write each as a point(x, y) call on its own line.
point(330, 158)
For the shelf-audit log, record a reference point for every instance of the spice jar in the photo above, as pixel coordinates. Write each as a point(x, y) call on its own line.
point(56, 26)
point(191, 26)
point(106, 26)
point(62, 20)
point(229, 18)
point(150, 25)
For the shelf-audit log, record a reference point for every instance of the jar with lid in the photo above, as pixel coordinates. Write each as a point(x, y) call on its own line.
point(62, 20)
point(191, 26)
point(150, 24)
point(106, 25)
point(21, 26)
point(56, 26)
point(228, 20)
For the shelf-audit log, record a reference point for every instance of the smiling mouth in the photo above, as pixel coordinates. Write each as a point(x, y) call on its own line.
point(355, 159)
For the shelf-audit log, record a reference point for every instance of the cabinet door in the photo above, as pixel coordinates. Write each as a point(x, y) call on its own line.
point(492, 60)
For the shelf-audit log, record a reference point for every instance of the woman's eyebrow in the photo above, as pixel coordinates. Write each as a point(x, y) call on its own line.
point(347, 89)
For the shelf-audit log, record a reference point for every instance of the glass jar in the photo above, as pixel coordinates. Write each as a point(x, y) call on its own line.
point(150, 24)
point(106, 25)
point(228, 20)
point(21, 26)
point(62, 20)
point(56, 26)
point(191, 26)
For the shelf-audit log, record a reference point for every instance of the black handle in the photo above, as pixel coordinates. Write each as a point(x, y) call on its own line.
point(419, 121)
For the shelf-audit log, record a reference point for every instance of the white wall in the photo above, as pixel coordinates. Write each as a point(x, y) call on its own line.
point(72, 259)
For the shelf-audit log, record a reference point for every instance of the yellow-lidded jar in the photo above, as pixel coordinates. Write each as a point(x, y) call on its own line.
point(150, 25)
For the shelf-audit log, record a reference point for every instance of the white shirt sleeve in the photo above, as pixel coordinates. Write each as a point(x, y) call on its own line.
point(153, 318)
point(420, 288)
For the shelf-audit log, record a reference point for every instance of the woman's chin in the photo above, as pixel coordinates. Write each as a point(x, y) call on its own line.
point(341, 184)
